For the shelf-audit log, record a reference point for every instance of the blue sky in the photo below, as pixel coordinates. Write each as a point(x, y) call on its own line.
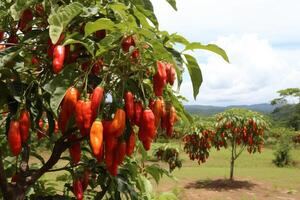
point(261, 38)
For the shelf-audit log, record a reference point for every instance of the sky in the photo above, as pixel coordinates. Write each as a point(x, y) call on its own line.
point(261, 38)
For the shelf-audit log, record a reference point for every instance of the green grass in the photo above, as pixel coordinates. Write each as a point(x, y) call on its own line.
point(257, 167)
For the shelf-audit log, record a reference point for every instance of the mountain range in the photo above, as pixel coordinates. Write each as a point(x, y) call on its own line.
point(208, 110)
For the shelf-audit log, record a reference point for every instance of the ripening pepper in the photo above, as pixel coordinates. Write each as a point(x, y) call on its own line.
point(96, 99)
point(25, 19)
point(164, 116)
point(127, 42)
point(120, 152)
point(129, 105)
point(117, 125)
point(157, 111)
point(58, 58)
point(148, 123)
point(86, 178)
point(75, 150)
point(68, 107)
point(14, 138)
point(100, 156)
point(24, 121)
point(40, 132)
point(130, 144)
point(87, 115)
point(97, 66)
point(77, 189)
point(159, 79)
point(172, 117)
point(171, 73)
point(138, 110)
point(96, 137)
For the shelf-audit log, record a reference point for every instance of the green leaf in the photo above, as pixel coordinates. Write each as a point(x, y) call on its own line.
point(58, 85)
point(146, 7)
point(172, 3)
point(99, 24)
point(58, 20)
point(87, 43)
point(210, 47)
point(17, 8)
point(195, 73)
point(175, 38)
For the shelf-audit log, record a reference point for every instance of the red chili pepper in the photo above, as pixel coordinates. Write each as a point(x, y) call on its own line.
point(148, 123)
point(26, 17)
point(157, 111)
point(171, 73)
point(39, 9)
point(24, 122)
point(113, 169)
point(127, 42)
point(13, 39)
point(97, 67)
point(110, 145)
point(52, 46)
point(117, 125)
point(130, 144)
point(96, 99)
point(87, 116)
point(35, 60)
point(129, 105)
point(79, 117)
point(58, 58)
point(138, 110)
point(159, 79)
point(86, 178)
point(120, 152)
point(77, 189)
point(1, 35)
point(100, 34)
point(171, 120)
point(135, 54)
point(14, 138)
point(75, 150)
point(147, 144)
point(41, 126)
point(100, 156)
point(68, 107)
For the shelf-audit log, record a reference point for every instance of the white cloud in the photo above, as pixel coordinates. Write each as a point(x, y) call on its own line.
point(261, 39)
point(205, 20)
point(254, 75)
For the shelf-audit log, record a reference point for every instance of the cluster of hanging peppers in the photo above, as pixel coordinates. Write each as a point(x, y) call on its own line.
point(18, 132)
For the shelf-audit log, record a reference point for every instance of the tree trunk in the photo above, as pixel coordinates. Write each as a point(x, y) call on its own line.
point(231, 168)
point(233, 153)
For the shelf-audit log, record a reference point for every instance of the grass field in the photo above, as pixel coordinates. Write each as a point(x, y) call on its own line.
point(257, 168)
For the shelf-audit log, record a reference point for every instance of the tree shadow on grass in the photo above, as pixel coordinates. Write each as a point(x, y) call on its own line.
point(220, 185)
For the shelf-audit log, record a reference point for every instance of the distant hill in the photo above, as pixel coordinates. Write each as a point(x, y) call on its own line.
point(211, 110)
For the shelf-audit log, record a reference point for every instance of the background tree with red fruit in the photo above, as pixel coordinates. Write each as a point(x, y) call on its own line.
point(92, 78)
point(236, 129)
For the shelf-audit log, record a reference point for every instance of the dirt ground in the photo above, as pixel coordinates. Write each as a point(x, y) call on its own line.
point(226, 190)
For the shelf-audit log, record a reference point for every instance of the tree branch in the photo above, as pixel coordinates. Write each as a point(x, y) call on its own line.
point(60, 146)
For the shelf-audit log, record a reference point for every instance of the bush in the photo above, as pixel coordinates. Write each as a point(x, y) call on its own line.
point(282, 154)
